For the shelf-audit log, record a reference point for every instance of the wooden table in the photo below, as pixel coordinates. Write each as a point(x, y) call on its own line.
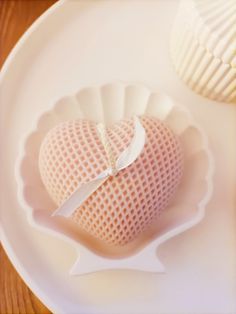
point(15, 17)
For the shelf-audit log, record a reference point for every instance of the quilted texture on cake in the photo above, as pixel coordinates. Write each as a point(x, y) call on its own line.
point(126, 204)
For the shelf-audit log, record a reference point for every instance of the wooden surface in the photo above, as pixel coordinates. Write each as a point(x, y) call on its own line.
point(15, 17)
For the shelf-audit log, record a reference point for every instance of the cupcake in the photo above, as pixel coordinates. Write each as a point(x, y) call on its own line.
point(203, 47)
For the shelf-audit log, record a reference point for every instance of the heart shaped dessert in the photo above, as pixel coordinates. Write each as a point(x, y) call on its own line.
point(121, 208)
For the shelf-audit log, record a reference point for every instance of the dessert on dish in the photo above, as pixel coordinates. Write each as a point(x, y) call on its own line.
point(127, 202)
point(136, 109)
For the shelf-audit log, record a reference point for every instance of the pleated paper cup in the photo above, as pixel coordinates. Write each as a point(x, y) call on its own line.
point(109, 104)
point(203, 47)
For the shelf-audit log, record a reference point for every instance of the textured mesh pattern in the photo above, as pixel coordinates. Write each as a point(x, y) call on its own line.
point(119, 210)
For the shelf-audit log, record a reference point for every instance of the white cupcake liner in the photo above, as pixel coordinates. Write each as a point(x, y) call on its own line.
point(110, 103)
point(203, 47)
point(211, 24)
point(204, 73)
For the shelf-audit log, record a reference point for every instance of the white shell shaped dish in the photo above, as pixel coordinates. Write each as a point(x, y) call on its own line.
point(110, 103)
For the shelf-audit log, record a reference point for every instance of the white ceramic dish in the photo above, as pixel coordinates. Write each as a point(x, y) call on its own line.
point(131, 43)
point(108, 104)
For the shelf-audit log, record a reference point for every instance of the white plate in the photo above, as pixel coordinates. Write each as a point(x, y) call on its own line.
point(82, 43)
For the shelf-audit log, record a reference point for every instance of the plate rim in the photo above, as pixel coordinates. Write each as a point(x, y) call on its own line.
point(19, 267)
